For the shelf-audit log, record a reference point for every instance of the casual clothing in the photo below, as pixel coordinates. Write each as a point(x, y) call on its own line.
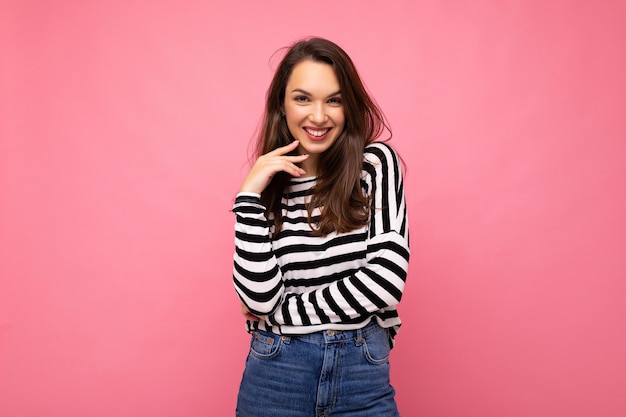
point(299, 283)
point(330, 373)
point(319, 297)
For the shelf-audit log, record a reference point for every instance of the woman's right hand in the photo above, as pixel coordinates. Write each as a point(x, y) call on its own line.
point(266, 166)
point(246, 313)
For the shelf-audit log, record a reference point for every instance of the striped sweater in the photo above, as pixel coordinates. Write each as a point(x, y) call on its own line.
point(298, 283)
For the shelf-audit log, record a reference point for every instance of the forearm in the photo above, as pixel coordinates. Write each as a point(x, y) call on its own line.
point(256, 275)
point(376, 286)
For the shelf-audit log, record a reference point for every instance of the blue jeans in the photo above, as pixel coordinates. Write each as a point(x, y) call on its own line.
point(324, 374)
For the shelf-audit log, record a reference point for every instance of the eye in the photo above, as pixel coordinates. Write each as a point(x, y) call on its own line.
point(301, 99)
point(335, 101)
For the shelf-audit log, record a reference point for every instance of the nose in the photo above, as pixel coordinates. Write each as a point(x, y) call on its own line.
point(318, 115)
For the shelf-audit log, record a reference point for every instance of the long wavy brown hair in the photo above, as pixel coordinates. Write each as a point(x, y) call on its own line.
point(337, 191)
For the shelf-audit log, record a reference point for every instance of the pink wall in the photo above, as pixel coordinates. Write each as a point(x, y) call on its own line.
point(124, 130)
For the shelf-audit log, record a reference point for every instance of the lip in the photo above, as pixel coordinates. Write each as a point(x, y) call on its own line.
point(317, 129)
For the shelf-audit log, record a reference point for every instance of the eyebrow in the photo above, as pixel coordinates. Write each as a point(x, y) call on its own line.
point(299, 90)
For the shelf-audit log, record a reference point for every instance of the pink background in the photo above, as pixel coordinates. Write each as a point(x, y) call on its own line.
point(124, 135)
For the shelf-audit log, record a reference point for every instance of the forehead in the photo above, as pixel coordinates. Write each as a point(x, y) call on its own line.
point(313, 77)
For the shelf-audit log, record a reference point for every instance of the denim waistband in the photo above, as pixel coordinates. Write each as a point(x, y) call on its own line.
point(334, 336)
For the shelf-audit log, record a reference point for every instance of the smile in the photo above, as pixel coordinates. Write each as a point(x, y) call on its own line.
point(316, 132)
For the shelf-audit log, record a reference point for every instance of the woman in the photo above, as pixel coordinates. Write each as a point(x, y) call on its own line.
point(322, 245)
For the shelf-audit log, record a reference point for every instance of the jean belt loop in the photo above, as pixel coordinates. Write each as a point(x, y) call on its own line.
point(358, 338)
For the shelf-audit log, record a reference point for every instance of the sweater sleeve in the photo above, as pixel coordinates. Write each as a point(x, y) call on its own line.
point(256, 274)
point(379, 284)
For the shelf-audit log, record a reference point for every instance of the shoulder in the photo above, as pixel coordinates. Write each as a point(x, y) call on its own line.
point(380, 155)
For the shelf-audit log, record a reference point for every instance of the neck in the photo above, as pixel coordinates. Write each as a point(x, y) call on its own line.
point(310, 165)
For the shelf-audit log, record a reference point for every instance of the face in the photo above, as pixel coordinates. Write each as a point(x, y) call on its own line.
point(313, 109)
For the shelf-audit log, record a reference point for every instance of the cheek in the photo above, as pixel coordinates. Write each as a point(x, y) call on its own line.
point(292, 123)
point(338, 114)
point(293, 115)
point(340, 119)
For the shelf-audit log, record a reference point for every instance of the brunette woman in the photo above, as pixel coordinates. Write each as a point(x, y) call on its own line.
point(322, 245)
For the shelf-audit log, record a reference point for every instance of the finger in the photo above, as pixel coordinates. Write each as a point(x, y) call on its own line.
point(285, 149)
point(246, 313)
point(267, 166)
point(296, 158)
point(288, 165)
point(273, 164)
point(277, 161)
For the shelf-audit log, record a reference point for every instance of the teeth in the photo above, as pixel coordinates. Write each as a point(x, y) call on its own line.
point(317, 133)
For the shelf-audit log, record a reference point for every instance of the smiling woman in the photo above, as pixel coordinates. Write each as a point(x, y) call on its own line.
point(322, 246)
point(313, 110)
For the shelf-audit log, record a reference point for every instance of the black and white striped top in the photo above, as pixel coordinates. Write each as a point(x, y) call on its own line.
point(298, 283)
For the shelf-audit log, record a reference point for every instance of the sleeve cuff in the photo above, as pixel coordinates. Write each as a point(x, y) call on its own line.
point(248, 197)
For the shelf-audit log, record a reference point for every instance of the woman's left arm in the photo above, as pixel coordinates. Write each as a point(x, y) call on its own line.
point(379, 284)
